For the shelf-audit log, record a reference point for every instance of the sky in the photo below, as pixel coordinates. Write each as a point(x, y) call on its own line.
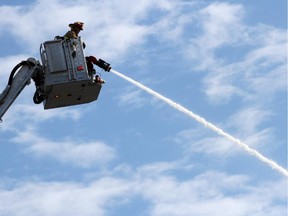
point(129, 153)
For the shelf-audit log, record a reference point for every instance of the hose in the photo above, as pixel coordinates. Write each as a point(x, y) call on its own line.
point(10, 80)
point(14, 71)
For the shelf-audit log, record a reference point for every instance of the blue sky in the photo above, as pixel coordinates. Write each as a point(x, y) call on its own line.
point(129, 153)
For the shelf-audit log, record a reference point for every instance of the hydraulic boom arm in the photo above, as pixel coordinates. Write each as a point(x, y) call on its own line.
point(17, 82)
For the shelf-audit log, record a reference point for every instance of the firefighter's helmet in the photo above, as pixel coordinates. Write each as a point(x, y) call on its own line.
point(77, 25)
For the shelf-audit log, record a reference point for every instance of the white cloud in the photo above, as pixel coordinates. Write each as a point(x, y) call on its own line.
point(210, 193)
point(260, 75)
point(77, 153)
point(33, 24)
point(132, 99)
point(205, 194)
point(221, 24)
point(56, 198)
point(161, 168)
point(258, 72)
point(249, 119)
point(200, 141)
point(111, 29)
point(247, 124)
point(33, 114)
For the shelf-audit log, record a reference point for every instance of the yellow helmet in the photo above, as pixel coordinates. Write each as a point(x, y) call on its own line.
point(77, 25)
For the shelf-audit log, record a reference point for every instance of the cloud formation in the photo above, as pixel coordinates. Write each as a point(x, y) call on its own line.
point(205, 194)
point(76, 153)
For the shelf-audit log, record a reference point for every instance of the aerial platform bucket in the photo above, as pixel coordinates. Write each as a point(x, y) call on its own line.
point(66, 77)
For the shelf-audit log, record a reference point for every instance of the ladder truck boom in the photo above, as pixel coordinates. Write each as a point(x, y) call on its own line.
point(17, 82)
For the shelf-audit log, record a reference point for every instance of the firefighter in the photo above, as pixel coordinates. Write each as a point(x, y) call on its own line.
point(76, 27)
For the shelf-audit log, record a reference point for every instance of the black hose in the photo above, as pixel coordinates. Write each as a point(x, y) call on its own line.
point(14, 71)
point(37, 98)
point(12, 74)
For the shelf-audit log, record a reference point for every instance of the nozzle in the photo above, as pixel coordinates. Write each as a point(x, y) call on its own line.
point(104, 65)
